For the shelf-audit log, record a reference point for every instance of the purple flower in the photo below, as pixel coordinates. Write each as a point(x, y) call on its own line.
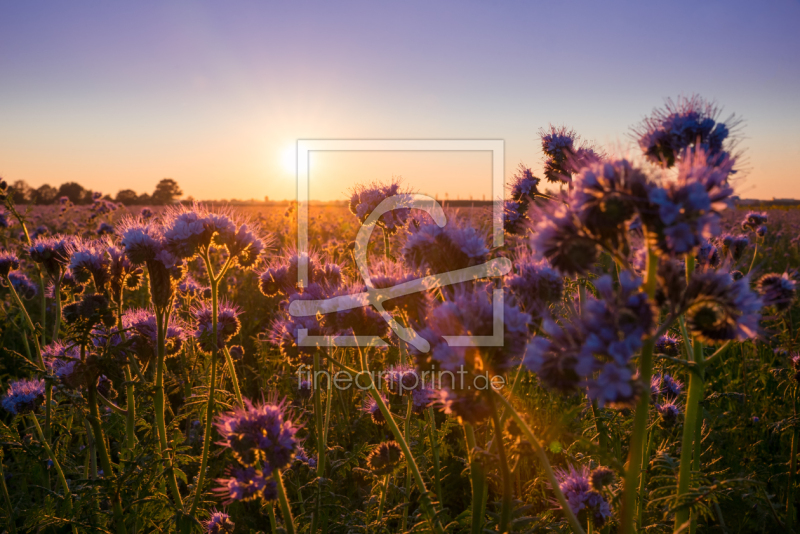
point(23, 285)
point(668, 344)
point(63, 361)
point(689, 122)
point(754, 220)
point(122, 274)
point(218, 523)
point(777, 290)
point(370, 406)
point(52, 253)
point(534, 284)
point(259, 434)
point(559, 239)
point(227, 324)
point(575, 485)
point(24, 396)
point(563, 156)
point(665, 385)
point(8, 262)
point(140, 325)
point(5, 220)
point(88, 260)
point(141, 240)
point(601, 477)
point(248, 484)
point(668, 412)
point(432, 249)
point(614, 386)
point(281, 276)
point(364, 200)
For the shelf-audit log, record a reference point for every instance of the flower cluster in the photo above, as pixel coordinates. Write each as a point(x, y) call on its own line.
point(778, 290)
point(581, 498)
point(432, 249)
point(524, 188)
point(24, 396)
point(689, 122)
point(8, 262)
point(563, 154)
point(227, 325)
point(364, 200)
point(385, 458)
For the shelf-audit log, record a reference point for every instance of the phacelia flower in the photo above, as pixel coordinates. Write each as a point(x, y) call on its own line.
point(665, 386)
point(218, 523)
point(24, 396)
point(719, 308)
point(385, 458)
point(534, 285)
point(23, 285)
point(249, 483)
point(777, 290)
point(364, 200)
point(689, 122)
point(432, 249)
point(8, 262)
point(668, 344)
point(559, 239)
point(668, 413)
point(601, 477)
point(753, 220)
point(370, 406)
point(52, 253)
point(563, 156)
point(582, 500)
point(88, 260)
point(259, 433)
point(227, 325)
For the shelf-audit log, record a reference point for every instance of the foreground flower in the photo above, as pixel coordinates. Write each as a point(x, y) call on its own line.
point(8, 262)
point(24, 396)
point(249, 483)
point(777, 290)
point(364, 200)
point(259, 433)
point(52, 253)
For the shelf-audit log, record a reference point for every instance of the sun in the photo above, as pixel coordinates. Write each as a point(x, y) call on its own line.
point(289, 159)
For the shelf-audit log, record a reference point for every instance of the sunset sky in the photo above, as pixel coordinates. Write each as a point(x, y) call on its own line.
point(215, 94)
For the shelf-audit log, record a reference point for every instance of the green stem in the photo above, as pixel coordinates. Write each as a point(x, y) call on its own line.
point(384, 491)
point(57, 296)
point(57, 466)
point(790, 509)
point(551, 477)
point(212, 384)
point(130, 416)
point(640, 505)
point(271, 513)
point(755, 254)
point(640, 418)
point(407, 432)
point(12, 521)
point(693, 408)
point(319, 438)
point(435, 451)
point(505, 510)
point(478, 476)
point(234, 377)
point(286, 510)
point(105, 460)
point(160, 405)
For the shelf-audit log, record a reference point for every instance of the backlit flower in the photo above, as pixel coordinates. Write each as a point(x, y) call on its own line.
point(24, 396)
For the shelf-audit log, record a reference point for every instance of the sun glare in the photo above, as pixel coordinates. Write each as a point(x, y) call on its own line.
point(289, 159)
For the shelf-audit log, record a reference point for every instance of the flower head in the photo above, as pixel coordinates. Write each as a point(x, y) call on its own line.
point(581, 498)
point(433, 249)
point(88, 259)
point(719, 308)
point(8, 262)
point(249, 483)
point(564, 156)
point(778, 290)
point(52, 253)
point(227, 324)
point(364, 200)
point(24, 396)
point(385, 458)
point(259, 434)
point(370, 406)
point(23, 285)
point(218, 523)
point(535, 284)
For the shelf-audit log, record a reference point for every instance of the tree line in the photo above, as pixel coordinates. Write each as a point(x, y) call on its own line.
point(167, 191)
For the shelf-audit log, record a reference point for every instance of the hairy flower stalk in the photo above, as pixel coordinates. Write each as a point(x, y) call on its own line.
point(690, 422)
point(478, 480)
point(639, 436)
point(505, 510)
point(320, 439)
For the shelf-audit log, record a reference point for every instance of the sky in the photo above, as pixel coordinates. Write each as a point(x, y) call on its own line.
point(216, 94)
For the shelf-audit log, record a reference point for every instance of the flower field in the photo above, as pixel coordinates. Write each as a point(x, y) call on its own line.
point(647, 378)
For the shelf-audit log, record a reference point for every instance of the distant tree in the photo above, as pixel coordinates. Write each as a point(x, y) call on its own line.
point(22, 191)
point(127, 197)
point(45, 194)
point(74, 192)
point(144, 200)
point(167, 191)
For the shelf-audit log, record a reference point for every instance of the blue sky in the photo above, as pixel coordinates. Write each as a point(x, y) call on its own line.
point(214, 94)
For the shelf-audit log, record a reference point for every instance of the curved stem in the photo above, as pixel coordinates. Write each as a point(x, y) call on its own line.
point(286, 510)
point(384, 491)
point(505, 510)
point(212, 384)
point(319, 440)
point(105, 460)
point(61, 478)
point(551, 477)
point(755, 254)
point(407, 432)
point(234, 377)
